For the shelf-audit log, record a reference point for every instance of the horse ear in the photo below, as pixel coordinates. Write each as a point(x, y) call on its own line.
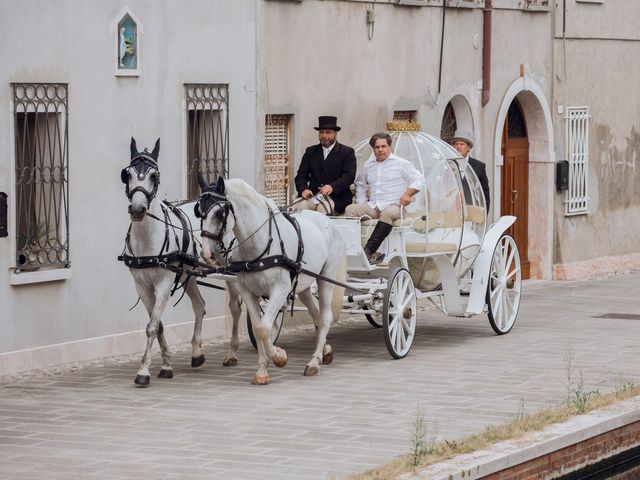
point(196, 210)
point(220, 185)
point(202, 182)
point(156, 150)
point(133, 147)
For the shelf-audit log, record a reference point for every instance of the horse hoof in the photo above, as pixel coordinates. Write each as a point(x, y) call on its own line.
point(142, 380)
point(197, 361)
point(262, 379)
point(327, 358)
point(311, 371)
point(165, 373)
point(280, 358)
point(230, 362)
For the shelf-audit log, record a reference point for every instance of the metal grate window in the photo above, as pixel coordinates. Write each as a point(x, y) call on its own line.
point(277, 158)
point(41, 121)
point(408, 116)
point(577, 144)
point(449, 124)
point(207, 133)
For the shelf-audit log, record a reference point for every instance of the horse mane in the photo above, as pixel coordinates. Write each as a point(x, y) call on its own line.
point(237, 186)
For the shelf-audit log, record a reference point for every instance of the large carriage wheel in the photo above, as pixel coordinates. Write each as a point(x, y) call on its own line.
point(399, 312)
point(505, 285)
point(275, 327)
point(371, 318)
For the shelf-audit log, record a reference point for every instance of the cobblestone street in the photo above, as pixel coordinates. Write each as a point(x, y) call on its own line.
point(90, 422)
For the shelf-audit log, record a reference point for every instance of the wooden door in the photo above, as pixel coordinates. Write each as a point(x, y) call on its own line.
point(515, 180)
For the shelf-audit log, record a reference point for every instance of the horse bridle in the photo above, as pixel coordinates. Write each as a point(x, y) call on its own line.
point(141, 164)
point(225, 207)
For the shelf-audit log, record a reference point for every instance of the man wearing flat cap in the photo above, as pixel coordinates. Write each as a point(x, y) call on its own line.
point(326, 171)
point(463, 143)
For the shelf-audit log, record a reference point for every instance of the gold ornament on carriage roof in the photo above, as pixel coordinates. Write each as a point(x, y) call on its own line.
point(403, 126)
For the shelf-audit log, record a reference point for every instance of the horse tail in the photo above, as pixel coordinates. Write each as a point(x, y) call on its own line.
point(338, 291)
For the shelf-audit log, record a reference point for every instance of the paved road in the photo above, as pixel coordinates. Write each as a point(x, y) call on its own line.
point(89, 422)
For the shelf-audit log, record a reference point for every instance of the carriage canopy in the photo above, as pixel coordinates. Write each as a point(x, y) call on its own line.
point(448, 215)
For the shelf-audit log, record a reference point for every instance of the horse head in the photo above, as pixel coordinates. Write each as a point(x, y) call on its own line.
point(141, 179)
point(213, 208)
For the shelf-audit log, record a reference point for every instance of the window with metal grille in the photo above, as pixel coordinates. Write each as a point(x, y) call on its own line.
point(408, 116)
point(207, 133)
point(277, 158)
point(449, 123)
point(41, 119)
point(577, 145)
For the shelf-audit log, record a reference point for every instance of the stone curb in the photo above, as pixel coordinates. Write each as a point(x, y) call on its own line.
point(536, 444)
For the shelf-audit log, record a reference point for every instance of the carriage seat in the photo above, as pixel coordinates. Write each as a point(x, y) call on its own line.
point(418, 222)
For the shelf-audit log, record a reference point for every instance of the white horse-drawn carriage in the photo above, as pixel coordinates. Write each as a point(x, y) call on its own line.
point(442, 249)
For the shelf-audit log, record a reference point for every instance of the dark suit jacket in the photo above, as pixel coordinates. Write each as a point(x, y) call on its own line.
point(338, 170)
point(480, 170)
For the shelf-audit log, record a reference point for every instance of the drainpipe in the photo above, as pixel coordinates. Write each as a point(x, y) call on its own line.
point(486, 51)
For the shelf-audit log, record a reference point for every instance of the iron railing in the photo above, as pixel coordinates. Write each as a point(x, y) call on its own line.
point(41, 118)
point(207, 133)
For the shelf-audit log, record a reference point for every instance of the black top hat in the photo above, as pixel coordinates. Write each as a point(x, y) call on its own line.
point(327, 123)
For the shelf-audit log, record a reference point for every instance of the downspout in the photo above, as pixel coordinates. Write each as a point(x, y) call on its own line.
point(486, 51)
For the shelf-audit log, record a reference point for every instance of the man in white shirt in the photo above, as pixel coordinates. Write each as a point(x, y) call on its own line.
point(390, 182)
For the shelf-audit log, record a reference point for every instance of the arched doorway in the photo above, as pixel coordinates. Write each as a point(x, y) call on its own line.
point(514, 198)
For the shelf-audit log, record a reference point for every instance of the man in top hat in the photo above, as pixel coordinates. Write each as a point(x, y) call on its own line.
point(463, 143)
point(326, 171)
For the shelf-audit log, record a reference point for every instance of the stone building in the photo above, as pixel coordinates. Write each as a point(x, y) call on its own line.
point(236, 86)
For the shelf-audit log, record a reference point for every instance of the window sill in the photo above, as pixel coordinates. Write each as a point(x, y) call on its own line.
point(122, 72)
point(26, 278)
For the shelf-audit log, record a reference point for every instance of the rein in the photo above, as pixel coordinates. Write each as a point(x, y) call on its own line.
point(262, 261)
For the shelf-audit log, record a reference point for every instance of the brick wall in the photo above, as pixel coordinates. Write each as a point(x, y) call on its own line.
point(574, 457)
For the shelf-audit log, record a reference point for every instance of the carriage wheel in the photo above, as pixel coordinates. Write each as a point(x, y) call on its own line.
point(505, 285)
point(372, 320)
point(275, 327)
point(399, 313)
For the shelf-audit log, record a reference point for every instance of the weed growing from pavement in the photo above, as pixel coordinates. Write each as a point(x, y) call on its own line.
point(516, 428)
point(421, 442)
point(577, 395)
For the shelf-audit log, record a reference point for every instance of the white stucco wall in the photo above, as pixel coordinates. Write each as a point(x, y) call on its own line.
point(601, 41)
point(73, 42)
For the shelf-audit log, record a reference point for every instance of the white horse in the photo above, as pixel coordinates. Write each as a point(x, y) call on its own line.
point(263, 235)
point(156, 235)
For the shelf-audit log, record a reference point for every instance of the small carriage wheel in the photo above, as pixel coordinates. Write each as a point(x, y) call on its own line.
point(275, 328)
point(504, 286)
point(371, 318)
point(399, 313)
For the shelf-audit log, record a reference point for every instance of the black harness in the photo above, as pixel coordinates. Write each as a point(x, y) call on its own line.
point(140, 165)
point(263, 261)
point(175, 261)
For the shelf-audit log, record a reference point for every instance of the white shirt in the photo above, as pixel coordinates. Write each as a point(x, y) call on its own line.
point(386, 181)
point(327, 150)
point(463, 164)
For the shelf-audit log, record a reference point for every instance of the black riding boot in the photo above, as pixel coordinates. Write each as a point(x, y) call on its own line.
point(381, 232)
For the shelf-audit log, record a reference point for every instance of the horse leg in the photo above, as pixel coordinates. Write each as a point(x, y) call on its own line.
point(235, 307)
point(323, 352)
point(262, 330)
point(261, 377)
point(161, 299)
point(197, 302)
point(148, 298)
